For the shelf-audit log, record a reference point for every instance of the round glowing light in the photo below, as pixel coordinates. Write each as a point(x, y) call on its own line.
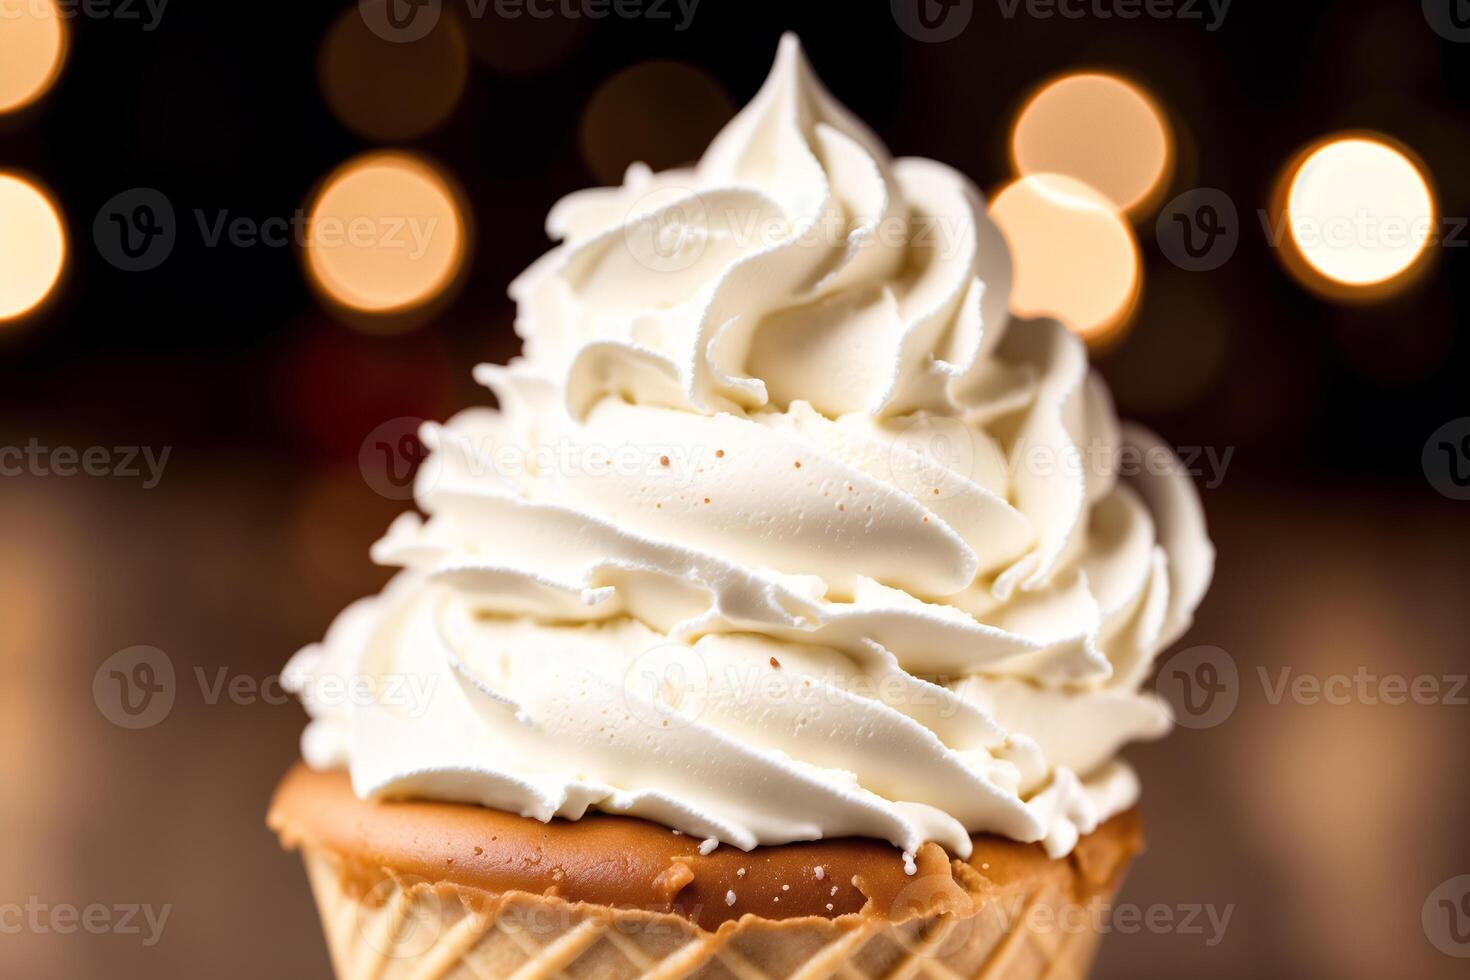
point(662, 113)
point(32, 246)
point(386, 90)
point(386, 234)
point(1075, 257)
point(33, 43)
point(1359, 214)
point(1101, 130)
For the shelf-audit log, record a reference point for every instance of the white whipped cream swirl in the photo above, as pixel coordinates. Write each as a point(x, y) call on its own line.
point(782, 529)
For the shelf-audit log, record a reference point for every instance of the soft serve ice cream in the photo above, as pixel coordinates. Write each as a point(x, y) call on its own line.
point(782, 528)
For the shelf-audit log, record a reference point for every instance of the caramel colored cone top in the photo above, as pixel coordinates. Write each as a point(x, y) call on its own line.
point(625, 863)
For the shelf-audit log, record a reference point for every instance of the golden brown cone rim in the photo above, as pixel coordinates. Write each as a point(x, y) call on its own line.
point(623, 862)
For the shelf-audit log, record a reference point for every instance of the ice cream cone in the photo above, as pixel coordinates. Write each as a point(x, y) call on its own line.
point(1006, 912)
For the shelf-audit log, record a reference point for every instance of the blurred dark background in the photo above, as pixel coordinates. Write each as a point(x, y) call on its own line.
point(1325, 826)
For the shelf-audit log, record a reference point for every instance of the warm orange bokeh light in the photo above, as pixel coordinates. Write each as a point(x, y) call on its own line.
point(662, 113)
point(386, 234)
point(1359, 215)
point(32, 246)
point(1076, 258)
point(33, 43)
point(385, 90)
point(1101, 130)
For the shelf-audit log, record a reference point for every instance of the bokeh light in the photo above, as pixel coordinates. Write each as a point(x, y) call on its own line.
point(32, 246)
point(385, 90)
point(387, 234)
point(33, 44)
point(662, 113)
point(1101, 130)
point(1358, 215)
point(1075, 257)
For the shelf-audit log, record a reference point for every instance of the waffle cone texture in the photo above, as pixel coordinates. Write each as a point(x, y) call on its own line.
point(1008, 912)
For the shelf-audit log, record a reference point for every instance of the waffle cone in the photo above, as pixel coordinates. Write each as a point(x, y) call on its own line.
point(1012, 919)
